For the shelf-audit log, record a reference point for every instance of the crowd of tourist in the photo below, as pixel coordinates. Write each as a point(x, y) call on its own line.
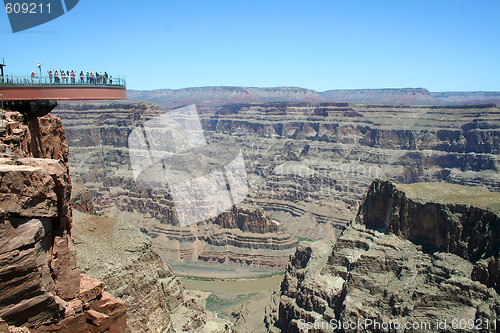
point(61, 77)
point(71, 77)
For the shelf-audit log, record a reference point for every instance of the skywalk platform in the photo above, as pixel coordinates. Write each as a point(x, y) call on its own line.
point(18, 88)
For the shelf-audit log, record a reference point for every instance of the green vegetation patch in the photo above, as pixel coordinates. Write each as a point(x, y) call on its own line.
point(218, 301)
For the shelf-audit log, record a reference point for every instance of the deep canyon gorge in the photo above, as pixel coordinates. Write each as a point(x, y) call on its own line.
point(376, 211)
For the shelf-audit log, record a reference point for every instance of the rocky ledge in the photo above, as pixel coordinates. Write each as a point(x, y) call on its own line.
point(422, 262)
point(41, 287)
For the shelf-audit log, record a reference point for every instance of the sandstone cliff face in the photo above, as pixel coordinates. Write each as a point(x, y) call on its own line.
point(251, 220)
point(40, 284)
point(402, 261)
point(470, 232)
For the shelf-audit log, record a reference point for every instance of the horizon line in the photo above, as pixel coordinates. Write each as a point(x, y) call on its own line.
point(318, 91)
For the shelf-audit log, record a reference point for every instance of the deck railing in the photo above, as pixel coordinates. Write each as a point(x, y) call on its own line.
point(74, 81)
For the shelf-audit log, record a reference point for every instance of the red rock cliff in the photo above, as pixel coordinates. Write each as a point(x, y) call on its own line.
point(40, 285)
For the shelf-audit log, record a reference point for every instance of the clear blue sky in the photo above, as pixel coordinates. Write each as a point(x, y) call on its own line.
point(441, 45)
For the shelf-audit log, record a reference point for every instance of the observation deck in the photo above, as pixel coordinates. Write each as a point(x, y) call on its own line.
point(26, 88)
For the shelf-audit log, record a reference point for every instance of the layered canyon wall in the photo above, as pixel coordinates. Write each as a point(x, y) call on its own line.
point(406, 262)
point(245, 234)
point(308, 164)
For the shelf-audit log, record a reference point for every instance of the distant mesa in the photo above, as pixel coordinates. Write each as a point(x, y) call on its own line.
point(223, 95)
point(400, 96)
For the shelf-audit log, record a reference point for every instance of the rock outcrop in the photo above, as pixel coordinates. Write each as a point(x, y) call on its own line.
point(41, 287)
point(245, 236)
point(81, 198)
point(405, 263)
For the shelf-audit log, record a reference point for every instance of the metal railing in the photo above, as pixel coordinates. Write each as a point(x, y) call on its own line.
point(77, 81)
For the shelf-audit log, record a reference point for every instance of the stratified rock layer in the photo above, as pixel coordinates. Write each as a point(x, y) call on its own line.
point(402, 261)
point(308, 165)
point(40, 285)
point(242, 235)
